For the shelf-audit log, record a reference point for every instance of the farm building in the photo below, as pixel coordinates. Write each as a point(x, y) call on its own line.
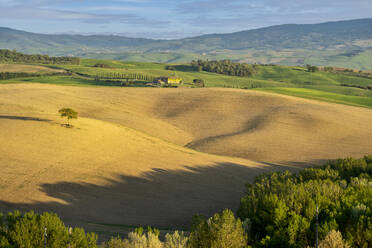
point(167, 80)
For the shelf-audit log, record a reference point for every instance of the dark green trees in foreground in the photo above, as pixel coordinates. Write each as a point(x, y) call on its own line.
point(281, 206)
point(278, 210)
point(27, 231)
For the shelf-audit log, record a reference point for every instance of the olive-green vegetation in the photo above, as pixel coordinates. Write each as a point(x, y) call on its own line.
point(8, 56)
point(10, 75)
point(31, 230)
point(226, 67)
point(281, 206)
point(68, 113)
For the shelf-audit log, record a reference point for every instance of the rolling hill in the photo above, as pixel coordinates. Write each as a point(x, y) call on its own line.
point(342, 43)
point(133, 151)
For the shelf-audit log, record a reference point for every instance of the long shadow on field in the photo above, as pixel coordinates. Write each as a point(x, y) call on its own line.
point(23, 118)
point(162, 198)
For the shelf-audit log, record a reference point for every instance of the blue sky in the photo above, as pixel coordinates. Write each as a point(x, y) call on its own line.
point(166, 19)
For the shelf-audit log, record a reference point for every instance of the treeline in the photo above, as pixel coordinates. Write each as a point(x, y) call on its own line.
point(33, 230)
point(279, 209)
point(123, 76)
point(10, 75)
point(226, 67)
point(8, 56)
point(357, 86)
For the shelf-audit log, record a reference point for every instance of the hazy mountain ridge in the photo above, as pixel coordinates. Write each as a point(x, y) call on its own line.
point(337, 38)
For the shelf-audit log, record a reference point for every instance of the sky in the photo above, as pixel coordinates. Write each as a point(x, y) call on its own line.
point(171, 19)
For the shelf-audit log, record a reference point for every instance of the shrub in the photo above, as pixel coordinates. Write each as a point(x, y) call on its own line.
point(199, 82)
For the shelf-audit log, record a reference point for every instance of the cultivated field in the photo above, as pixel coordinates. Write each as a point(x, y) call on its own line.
point(27, 68)
point(147, 156)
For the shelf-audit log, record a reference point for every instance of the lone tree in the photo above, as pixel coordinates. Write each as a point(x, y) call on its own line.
point(69, 114)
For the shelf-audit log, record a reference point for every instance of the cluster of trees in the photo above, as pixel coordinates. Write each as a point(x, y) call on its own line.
point(278, 210)
point(10, 75)
point(281, 206)
point(226, 67)
point(125, 76)
point(8, 56)
point(251, 85)
point(35, 230)
point(312, 68)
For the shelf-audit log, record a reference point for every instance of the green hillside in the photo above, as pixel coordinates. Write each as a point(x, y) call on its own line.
point(340, 87)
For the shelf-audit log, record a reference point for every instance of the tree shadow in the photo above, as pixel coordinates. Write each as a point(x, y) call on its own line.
point(23, 118)
point(166, 199)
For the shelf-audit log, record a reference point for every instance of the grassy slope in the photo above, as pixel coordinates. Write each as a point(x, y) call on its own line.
point(323, 96)
point(267, 77)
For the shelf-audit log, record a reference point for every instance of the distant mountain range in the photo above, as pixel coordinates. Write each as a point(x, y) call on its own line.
point(343, 43)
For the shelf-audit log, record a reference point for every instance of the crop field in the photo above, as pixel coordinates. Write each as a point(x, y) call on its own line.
point(134, 150)
point(27, 68)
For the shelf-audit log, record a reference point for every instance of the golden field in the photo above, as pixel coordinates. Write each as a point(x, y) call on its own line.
point(152, 156)
point(27, 68)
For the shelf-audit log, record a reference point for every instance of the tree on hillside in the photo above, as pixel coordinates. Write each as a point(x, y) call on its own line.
point(69, 114)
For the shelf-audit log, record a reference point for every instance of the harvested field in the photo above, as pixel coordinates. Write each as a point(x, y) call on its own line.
point(27, 68)
point(143, 156)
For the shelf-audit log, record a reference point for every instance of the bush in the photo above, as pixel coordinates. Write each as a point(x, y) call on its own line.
point(199, 83)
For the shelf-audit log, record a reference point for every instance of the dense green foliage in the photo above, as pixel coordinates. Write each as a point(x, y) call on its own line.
point(122, 76)
point(220, 231)
point(226, 67)
point(8, 56)
point(281, 205)
point(28, 231)
point(10, 75)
